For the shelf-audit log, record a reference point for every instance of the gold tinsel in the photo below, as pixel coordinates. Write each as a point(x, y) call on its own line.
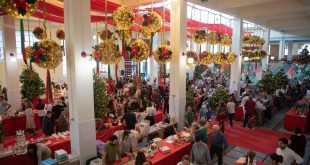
point(206, 57)
point(213, 38)
point(123, 18)
point(41, 36)
point(191, 54)
point(254, 39)
point(109, 52)
point(60, 34)
point(143, 50)
point(53, 53)
point(225, 40)
point(231, 57)
point(105, 34)
point(28, 51)
point(155, 22)
point(260, 42)
point(11, 8)
point(158, 56)
point(220, 58)
point(146, 33)
point(246, 39)
point(200, 36)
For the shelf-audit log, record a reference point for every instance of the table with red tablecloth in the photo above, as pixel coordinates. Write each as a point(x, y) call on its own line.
point(104, 135)
point(292, 121)
point(158, 116)
point(239, 114)
point(257, 163)
point(11, 125)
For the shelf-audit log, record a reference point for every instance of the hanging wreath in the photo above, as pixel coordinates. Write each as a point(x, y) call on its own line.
point(200, 36)
point(60, 34)
point(231, 57)
point(152, 22)
point(123, 18)
point(206, 57)
point(246, 39)
point(138, 50)
point(51, 51)
point(213, 38)
point(163, 54)
point(109, 52)
point(226, 40)
point(28, 51)
point(19, 8)
point(127, 35)
point(39, 33)
point(193, 55)
point(105, 34)
point(220, 58)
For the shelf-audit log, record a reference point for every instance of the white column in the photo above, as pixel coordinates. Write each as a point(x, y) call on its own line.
point(80, 78)
point(153, 69)
point(177, 99)
point(266, 36)
point(281, 47)
point(11, 66)
point(235, 71)
point(290, 50)
point(295, 49)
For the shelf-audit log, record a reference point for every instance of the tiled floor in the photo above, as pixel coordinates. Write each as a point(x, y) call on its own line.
point(276, 123)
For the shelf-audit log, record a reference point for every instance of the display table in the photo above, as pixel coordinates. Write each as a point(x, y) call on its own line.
point(292, 121)
point(158, 116)
point(11, 125)
point(104, 135)
point(239, 114)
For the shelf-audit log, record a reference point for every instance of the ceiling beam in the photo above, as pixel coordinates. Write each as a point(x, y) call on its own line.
point(289, 22)
point(224, 4)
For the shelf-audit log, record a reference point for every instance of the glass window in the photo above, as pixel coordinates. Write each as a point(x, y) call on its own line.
point(29, 40)
point(104, 68)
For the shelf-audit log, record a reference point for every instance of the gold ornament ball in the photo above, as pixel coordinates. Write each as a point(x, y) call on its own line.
point(219, 58)
point(226, 40)
point(200, 37)
point(109, 52)
point(53, 54)
point(41, 36)
point(246, 39)
point(127, 35)
point(254, 39)
point(158, 54)
point(231, 57)
point(11, 8)
point(105, 34)
point(143, 50)
point(213, 38)
point(146, 33)
point(156, 22)
point(191, 54)
point(123, 18)
point(28, 51)
point(207, 58)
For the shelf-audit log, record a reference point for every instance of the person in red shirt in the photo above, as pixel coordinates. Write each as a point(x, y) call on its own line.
point(249, 110)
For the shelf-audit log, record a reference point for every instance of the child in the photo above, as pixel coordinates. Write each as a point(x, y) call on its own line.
point(251, 122)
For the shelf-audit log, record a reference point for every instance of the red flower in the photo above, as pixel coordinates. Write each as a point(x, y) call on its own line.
point(147, 20)
point(165, 53)
point(134, 51)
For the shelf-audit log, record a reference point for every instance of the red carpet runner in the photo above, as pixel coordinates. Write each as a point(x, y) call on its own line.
point(259, 140)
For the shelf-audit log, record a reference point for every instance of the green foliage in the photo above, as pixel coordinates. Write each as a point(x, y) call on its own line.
point(32, 85)
point(221, 94)
point(197, 72)
point(190, 97)
point(281, 78)
point(209, 73)
point(267, 83)
point(101, 97)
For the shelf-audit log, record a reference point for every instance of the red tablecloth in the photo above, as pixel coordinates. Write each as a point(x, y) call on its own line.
point(11, 125)
point(105, 134)
point(257, 163)
point(158, 116)
point(239, 114)
point(292, 120)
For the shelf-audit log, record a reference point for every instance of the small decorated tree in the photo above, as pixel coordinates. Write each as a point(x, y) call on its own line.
point(221, 94)
point(32, 85)
point(190, 94)
point(267, 83)
point(101, 97)
point(197, 72)
point(281, 78)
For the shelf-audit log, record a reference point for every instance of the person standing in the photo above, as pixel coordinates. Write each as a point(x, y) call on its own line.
point(39, 152)
point(221, 115)
point(189, 116)
point(200, 154)
point(111, 149)
point(119, 87)
point(130, 119)
point(150, 110)
point(30, 124)
point(140, 158)
point(185, 161)
point(62, 123)
point(298, 142)
point(126, 147)
point(289, 156)
point(275, 159)
point(4, 106)
point(41, 110)
point(249, 110)
point(204, 130)
point(218, 144)
point(47, 124)
point(231, 106)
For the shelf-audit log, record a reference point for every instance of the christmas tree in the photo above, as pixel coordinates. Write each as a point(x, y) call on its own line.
point(197, 72)
point(190, 94)
point(101, 97)
point(281, 78)
point(267, 83)
point(304, 56)
point(221, 94)
point(32, 85)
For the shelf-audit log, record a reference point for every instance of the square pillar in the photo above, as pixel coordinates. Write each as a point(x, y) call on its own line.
point(80, 78)
point(177, 98)
point(266, 36)
point(281, 47)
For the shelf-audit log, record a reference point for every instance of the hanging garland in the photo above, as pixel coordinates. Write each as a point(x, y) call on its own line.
point(60, 34)
point(152, 22)
point(109, 52)
point(200, 36)
point(138, 50)
point(163, 54)
point(213, 37)
point(123, 18)
point(51, 51)
point(206, 57)
point(192, 54)
point(39, 33)
point(105, 34)
point(226, 40)
point(19, 8)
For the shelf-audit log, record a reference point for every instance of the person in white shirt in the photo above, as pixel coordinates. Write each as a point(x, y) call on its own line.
point(185, 161)
point(231, 106)
point(4, 106)
point(289, 156)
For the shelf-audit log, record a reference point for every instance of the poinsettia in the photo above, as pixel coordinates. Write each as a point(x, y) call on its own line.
point(38, 54)
point(164, 53)
point(146, 19)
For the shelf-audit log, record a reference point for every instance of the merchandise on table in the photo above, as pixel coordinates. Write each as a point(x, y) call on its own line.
point(164, 149)
point(21, 143)
point(49, 161)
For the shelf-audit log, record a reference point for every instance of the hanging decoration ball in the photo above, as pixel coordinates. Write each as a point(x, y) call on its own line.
point(138, 50)
point(19, 8)
point(109, 52)
point(127, 35)
point(163, 54)
point(246, 39)
point(231, 57)
point(146, 33)
point(220, 58)
point(206, 57)
point(213, 38)
point(260, 42)
point(200, 36)
point(51, 51)
point(152, 21)
point(28, 51)
point(226, 40)
point(39, 33)
point(60, 34)
point(254, 39)
point(123, 18)
point(105, 34)
point(192, 54)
